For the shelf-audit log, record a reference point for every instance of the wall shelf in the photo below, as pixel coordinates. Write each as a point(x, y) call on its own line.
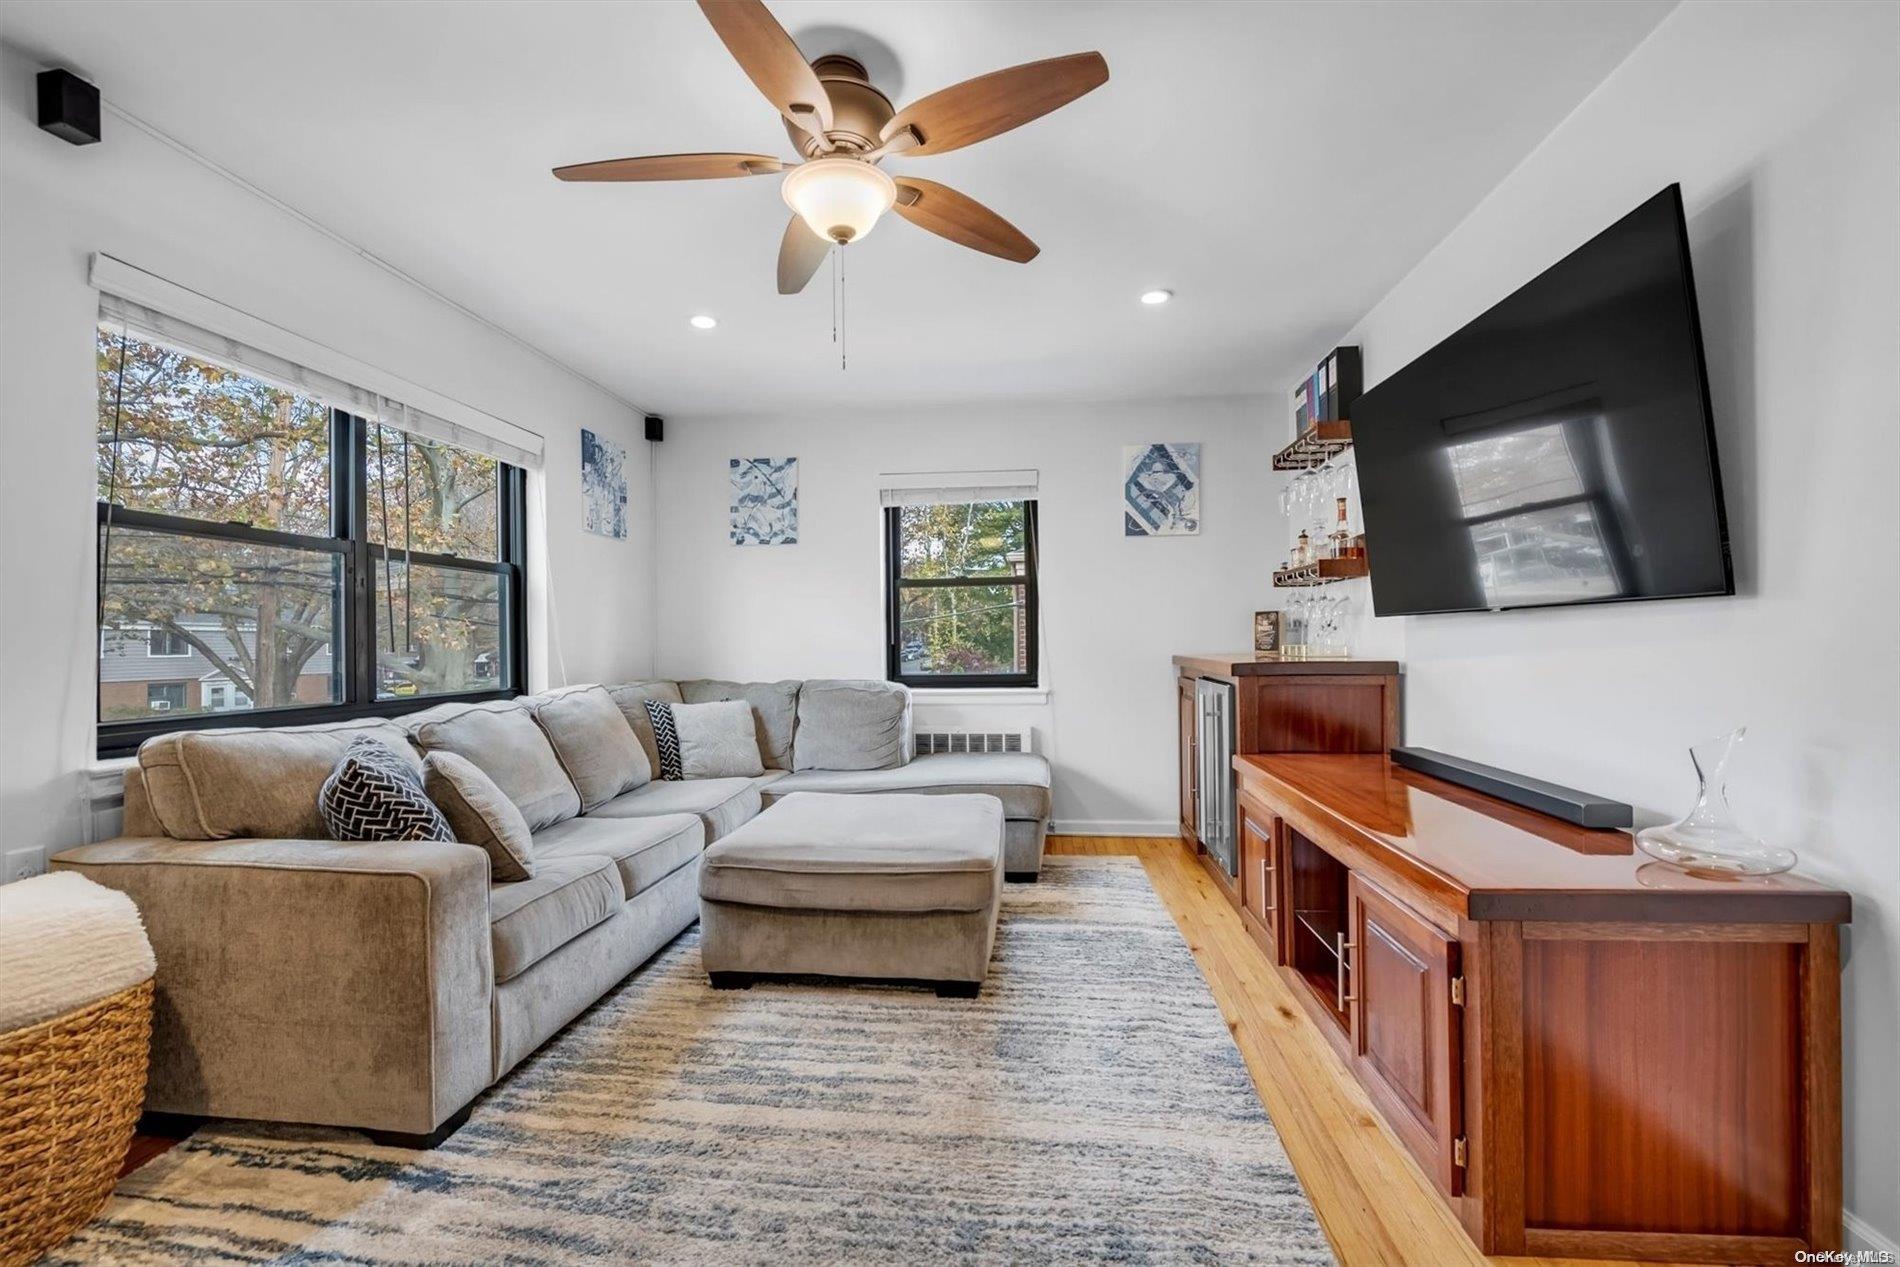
point(1324, 572)
point(1315, 446)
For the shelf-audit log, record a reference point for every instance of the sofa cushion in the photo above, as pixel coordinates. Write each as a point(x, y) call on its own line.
point(721, 804)
point(530, 919)
point(481, 814)
point(717, 741)
point(862, 853)
point(250, 781)
point(644, 850)
point(774, 711)
point(631, 697)
point(503, 740)
point(593, 742)
point(1020, 780)
point(851, 725)
point(375, 793)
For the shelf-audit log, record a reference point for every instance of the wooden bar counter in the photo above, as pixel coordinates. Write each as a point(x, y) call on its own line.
point(1591, 1053)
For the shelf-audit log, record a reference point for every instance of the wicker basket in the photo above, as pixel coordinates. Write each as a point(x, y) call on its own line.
point(70, 1091)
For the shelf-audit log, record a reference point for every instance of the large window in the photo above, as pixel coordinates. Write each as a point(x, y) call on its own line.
point(261, 552)
point(960, 594)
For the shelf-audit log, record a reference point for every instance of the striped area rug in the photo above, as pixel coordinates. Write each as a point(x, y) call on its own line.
point(1089, 1107)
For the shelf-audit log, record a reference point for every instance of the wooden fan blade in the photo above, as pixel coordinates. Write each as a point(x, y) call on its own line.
point(965, 221)
point(980, 108)
point(673, 167)
point(800, 252)
point(771, 61)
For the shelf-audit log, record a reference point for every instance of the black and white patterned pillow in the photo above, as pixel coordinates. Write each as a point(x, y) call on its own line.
point(373, 794)
point(666, 738)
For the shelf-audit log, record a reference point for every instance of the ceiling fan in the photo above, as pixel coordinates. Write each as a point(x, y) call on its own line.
point(844, 127)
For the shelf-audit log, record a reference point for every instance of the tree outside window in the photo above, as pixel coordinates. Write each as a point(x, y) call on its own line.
point(280, 554)
point(961, 594)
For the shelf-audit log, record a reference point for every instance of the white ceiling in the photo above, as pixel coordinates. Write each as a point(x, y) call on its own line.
point(1279, 165)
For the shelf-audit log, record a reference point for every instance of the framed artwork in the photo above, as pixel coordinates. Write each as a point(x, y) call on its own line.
point(1161, 490)
point(603, 486)
point(1266, 632)
point(764, 501)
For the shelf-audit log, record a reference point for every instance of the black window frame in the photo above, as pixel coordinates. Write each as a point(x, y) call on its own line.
point(895, 583)
point(354, 672)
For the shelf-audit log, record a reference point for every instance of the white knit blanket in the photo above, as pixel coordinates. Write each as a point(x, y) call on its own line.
point(65, 942)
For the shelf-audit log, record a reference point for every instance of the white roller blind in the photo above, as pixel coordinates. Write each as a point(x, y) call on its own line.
point(158, 311)
point(151, 326)
point(400, 416)
point(950, 488)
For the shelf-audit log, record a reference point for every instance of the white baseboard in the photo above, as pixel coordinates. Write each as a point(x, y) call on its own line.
point(1112, 827)
point(1864, 1237)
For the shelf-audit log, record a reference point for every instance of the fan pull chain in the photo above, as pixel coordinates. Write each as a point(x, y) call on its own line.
point(834, 294)
point(844, 332)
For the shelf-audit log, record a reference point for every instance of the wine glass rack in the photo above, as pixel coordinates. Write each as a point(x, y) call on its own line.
point(1320, 572)
point(1315, 446)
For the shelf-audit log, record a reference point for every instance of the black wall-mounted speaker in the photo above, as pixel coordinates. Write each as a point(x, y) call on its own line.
point(656, 428)
point(69, 107)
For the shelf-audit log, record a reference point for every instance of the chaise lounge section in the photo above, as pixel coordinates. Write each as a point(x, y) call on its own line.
point(385, 985)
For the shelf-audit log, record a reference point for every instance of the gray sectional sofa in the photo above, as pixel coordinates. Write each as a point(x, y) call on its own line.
point(384, 986)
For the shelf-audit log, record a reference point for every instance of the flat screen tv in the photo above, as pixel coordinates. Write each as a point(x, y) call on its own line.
point(1557, 450)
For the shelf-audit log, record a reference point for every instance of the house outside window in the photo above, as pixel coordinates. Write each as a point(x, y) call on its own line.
point(166, 644)
point(960, 594)
point(165, 697)
point(287, 556)
point(222, 696)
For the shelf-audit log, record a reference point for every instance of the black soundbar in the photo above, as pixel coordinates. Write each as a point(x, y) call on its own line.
point(1566, 803)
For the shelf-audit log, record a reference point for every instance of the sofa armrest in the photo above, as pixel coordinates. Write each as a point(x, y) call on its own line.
point(347, 984)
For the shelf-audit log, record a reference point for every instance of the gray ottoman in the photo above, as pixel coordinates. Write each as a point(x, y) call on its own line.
point(889, 886)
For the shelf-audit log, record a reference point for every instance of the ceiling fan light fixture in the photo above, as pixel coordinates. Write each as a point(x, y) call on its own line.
point(840, 199)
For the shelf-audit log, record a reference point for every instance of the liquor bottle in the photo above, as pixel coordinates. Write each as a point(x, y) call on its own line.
point(1302, 550)
point(1341, 538)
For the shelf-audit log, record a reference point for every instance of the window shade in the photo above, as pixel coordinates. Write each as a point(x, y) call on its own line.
point(950, 488)
point(148, 307)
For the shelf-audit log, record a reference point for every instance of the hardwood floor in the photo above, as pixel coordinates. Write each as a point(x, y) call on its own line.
point(1374, 1202)
point(1376, 1205)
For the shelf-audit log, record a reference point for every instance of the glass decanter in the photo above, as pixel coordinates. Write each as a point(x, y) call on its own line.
point(1708, 840)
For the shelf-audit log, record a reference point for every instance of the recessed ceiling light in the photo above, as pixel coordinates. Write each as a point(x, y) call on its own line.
point(1152, 297)
point(704, 322)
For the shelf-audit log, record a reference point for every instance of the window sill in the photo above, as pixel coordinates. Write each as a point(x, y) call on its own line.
point(981, 695)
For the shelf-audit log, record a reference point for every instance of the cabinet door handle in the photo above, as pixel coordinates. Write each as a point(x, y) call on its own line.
point(1266, 885)
point(1341, 946)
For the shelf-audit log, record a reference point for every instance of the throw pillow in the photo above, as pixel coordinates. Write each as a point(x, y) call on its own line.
point(505, 744)
point(666, 740)
point(717, 741)
point(631, 698)
point(593, 742)
point(373, 794)
point(481, 814)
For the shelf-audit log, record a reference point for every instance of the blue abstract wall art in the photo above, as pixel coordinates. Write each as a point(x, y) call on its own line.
point(1161, 490)
point(603, 486)
point(764, 501)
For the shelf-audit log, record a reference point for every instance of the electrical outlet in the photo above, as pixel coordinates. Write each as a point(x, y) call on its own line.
point(22, 863)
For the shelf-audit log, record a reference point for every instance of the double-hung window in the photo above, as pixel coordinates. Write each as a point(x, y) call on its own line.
point(960, 594)
point(268, 555)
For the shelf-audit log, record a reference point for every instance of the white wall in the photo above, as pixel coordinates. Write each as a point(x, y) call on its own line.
point(1114, 608)
point(154, 207)
point(1782, 122)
